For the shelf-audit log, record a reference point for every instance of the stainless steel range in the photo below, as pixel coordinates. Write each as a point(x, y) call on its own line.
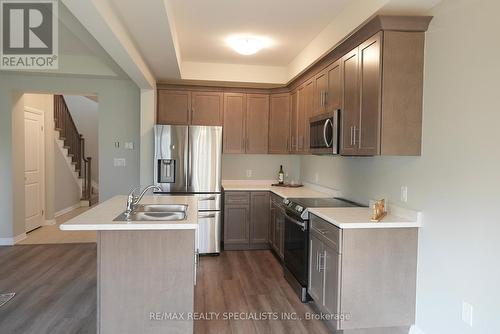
point(296, 252)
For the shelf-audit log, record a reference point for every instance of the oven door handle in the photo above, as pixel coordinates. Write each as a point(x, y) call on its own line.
point(296, 222)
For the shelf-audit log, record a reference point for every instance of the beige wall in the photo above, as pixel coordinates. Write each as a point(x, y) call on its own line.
point(456, 181)
point(67, 193)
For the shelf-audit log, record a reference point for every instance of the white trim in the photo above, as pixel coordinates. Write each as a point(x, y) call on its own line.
point(50, 222)
point(12, 241)
point(68, 209)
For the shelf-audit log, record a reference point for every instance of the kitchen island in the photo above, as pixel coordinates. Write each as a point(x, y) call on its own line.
point(146, 270)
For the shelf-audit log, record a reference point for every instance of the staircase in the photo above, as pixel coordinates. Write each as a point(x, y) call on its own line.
point(72, 144)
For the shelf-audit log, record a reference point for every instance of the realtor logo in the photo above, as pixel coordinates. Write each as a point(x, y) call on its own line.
point(29, 36)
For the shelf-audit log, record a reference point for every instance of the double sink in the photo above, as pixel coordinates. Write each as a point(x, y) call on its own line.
point(155, 212)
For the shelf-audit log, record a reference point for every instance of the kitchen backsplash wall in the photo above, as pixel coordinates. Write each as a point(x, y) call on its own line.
point(262, 166)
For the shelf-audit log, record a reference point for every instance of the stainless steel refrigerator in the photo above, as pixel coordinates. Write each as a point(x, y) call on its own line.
point(188, 161)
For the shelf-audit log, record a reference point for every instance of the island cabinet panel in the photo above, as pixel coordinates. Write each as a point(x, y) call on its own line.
point(369, 274)
point(279, 124)
point(207, 108)
point(257, 123)
point(246, 220)
point(141, 273)
point(173, 107)
point(234, 122)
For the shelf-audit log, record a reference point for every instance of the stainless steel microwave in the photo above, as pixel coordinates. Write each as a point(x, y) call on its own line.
point(324, 133)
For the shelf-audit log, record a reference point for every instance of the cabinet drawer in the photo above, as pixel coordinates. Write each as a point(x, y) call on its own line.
point(237, 197)
point(326, 232)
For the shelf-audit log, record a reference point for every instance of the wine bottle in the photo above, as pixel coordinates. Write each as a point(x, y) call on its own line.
point(281, 175)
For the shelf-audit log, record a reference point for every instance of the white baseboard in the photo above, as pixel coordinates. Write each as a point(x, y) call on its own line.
point(415, 330)
point(65, 211)
point(50, 222)
point(12, 241)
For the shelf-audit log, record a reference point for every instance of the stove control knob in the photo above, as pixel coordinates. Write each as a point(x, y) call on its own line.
point(286, 201)
point(299, 208)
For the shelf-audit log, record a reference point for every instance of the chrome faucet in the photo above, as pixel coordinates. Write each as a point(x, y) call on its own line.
point(133, 200)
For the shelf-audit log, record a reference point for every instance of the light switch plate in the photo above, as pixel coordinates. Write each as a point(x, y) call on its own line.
point(249, 172)
point(119, 162)
point(129, 145)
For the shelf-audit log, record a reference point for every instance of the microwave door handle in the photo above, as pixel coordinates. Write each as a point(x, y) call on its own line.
point(327, 143)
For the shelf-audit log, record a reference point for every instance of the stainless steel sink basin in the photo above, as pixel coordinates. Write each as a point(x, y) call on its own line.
point(161, 208)
point(155, 212)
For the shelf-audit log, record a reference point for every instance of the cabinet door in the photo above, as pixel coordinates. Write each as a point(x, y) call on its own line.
point(294, 108)
point(279, 124)
point(259, 219)
point(320, 92)
point(368, 136)
point(334, 91)
point(315, 287)
point(173, 107)
point(234, 123)
point(206, 108)
point(331, 267)
point(257, 123)
point(309, 111)
point(236, 225)
point(280, 234)
point(351, 106)
point(272, 226)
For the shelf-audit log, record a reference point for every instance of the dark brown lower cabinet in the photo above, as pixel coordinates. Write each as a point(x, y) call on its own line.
point(246, 220)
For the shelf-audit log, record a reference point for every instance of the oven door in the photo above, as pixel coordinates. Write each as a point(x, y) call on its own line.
point(296, 246)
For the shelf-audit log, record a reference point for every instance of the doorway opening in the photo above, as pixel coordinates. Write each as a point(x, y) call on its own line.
point(61, 174)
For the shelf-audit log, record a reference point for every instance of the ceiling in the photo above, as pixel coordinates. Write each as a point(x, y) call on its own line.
point(171, 40)
point(202, 27)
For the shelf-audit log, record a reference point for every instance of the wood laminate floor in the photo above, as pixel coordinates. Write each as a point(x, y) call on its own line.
point(56, 292)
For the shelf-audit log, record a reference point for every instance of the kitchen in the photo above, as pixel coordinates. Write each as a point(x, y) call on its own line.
point(318, 203)
point(344, 105)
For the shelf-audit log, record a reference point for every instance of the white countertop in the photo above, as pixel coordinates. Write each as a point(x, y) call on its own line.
point(100, 218)
point(348, 218)
point(285, 192)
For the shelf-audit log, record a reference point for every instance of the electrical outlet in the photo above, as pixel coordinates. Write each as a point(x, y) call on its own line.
point(404, 194)
point(119, 162)
point(249, 173)
point(129, 145)
point(467, 312)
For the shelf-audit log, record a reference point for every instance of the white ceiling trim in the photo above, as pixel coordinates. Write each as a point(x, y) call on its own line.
point(99, 19)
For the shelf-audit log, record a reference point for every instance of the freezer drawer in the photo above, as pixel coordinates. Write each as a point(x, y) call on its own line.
point(209, 231)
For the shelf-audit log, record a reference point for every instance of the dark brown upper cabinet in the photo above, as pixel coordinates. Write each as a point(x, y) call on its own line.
point(304, 112)
point(257, 123)
point(185, 107)
point(382, 95)
point(234, 122)
point(279, 124)
point(174, 107)
point(294, 115)
point(327, 89)
point(206, 108)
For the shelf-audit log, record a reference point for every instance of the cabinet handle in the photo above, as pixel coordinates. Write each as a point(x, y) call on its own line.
point(317, 260)
point(321, 260)
point(356, 130)
point(326, 98)
point(351, 136)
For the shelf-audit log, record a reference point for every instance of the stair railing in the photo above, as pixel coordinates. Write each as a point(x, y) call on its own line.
point(74, 143)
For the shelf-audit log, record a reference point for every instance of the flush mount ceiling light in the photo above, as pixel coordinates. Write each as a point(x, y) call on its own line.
point(248, 45)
